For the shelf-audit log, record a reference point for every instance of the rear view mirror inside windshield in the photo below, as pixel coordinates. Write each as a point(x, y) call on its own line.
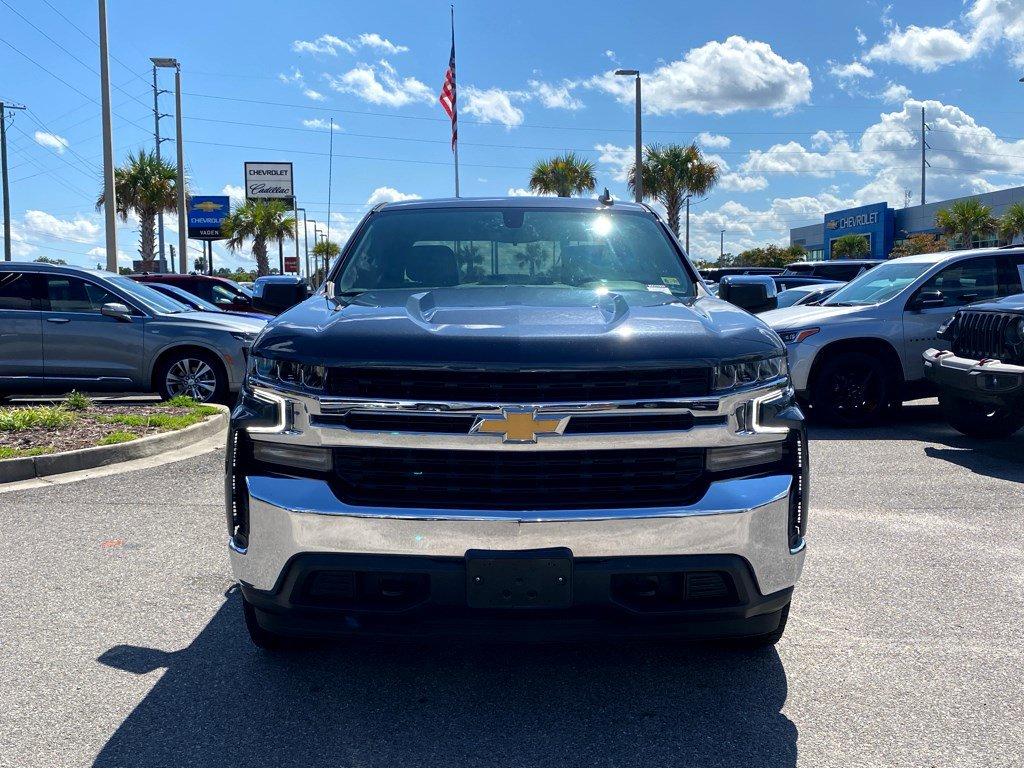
point(512, 218)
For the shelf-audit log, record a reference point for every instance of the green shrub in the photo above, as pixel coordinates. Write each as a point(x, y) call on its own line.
point(118, 436)
point(75, 401)
point(29, 417)
point(181, 401)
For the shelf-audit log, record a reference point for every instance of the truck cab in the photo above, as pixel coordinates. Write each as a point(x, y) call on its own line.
point(519, 416)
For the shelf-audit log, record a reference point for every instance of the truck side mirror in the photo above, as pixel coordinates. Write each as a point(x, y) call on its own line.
point(927, 299)
point(754, 293)
point(273, 294)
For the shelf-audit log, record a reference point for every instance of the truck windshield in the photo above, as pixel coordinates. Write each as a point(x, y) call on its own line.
point(459, 247)
point(878, 284)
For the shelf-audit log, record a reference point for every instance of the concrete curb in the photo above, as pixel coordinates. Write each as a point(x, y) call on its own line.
point(26, 468)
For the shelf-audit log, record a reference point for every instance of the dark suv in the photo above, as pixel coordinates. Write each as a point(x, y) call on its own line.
point(834, 269)
point(224, 293)
point(519, 415)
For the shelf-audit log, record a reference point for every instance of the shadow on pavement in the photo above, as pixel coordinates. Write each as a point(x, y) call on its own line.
point(222, 702)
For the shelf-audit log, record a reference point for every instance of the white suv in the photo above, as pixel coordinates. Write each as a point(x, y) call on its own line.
point(859, 351)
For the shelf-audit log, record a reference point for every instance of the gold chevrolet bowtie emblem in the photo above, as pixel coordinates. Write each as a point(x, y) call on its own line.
point(518, 425)
point(208, 206)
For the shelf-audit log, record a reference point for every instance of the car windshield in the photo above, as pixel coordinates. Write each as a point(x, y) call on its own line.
point(244, 290)
point(190, 300)
point(463, 248)
point(150, 298)
point(878, 284)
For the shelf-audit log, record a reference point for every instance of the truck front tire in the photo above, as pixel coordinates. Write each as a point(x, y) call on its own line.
point(979, 420)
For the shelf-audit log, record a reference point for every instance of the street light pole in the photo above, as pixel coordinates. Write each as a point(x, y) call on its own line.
point(638, 177)
point(109, 193)
point(158, 141)
point(6, 187)
point(721, 245)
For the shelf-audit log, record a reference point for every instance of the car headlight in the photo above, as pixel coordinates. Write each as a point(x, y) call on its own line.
point(288, 374)
point(1014, 334)
point(750, 372)
point(794, 337)
point(947, 327)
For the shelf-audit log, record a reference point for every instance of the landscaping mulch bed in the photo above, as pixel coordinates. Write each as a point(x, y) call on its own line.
point(48, 429)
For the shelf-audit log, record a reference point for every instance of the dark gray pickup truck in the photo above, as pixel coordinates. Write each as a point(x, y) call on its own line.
point(523, 417)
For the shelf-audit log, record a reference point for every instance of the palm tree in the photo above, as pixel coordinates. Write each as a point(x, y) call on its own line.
point(145, 186)
point(672, 172)
point(850, 247)
point(258, 221)
point(965, 220)
point(1011, 223)
point(563, 175)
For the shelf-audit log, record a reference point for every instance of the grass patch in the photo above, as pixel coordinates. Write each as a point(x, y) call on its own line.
point(181, 401)
point(197, 413)
point(75, 401)
point(118, 436)
point(28, 417)
point(9, 453)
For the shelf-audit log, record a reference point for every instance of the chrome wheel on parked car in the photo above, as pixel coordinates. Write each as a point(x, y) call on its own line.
point(194, 374)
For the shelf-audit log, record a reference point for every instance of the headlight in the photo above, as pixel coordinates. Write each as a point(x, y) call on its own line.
point(947, 327)
point(291, 375)
point(749, 373)
point(793, 337)
point(1014, 334)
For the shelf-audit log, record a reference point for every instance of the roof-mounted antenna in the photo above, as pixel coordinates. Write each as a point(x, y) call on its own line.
point(606, 198)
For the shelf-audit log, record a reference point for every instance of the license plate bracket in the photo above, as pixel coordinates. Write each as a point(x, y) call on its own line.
point(522, 579)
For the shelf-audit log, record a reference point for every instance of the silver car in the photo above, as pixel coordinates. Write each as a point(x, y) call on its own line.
point(65, 327)
point(859, 352)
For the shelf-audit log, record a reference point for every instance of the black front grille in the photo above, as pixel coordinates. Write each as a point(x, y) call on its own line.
point(980, 335)
point(518, 480)
point(519, 386)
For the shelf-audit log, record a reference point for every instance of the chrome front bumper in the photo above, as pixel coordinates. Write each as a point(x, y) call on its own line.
point(744, 517)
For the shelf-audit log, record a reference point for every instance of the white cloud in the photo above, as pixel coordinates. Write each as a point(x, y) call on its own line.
point(296, 78)
point(309, 93)
point(719, 78)
point(895, 93)
point(716, 141)
point(328, 45)
point(985, 25)
point(331, 45)
point(381, 84)
point(557, 96)
point(51, 141)
point(373, 40)
point(618, 160)
point(861, 37)
point(851, 71)
point(742, 183)
point(493, 105)
point(235, 192)
point(610, 54)
point(320, 123)
point(123, 259)
point(389, 195)
point(42, 224)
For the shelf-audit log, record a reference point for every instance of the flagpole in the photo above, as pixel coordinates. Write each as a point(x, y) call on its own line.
point(455, 147)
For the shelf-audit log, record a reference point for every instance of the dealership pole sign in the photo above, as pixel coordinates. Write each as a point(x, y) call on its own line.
point(269, 181)
point(206, 214)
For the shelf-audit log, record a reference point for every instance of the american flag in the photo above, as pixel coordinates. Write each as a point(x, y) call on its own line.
point(447, 98)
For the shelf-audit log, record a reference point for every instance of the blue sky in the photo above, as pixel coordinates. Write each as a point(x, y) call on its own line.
point(807, 107)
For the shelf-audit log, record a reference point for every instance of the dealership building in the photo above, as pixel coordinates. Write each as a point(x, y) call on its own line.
point(884, 227)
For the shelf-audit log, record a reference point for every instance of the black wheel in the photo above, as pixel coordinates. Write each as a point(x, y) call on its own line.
point(262, 637)
point(195, 373)
point(980, 420)
point(852, 389)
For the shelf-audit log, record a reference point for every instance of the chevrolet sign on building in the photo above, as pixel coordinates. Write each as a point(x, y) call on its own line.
point(269, 181)
point(875, 222)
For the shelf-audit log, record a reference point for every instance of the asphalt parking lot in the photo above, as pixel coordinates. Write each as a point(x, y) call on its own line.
point(121, 640)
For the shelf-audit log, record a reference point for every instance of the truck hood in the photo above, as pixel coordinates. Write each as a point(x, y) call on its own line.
point(802, 316)
point(213, 320)
point(515, 326)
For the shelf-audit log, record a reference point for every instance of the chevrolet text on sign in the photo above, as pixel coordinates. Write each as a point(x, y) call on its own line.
point(269, 181)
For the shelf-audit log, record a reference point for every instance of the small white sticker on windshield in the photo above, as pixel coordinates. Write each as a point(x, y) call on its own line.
point(656, 287)
point(670, 281)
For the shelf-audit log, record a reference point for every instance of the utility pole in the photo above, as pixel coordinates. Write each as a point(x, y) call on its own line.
point(721, 245)
point(109, 193)
point(687, 225)
point(182, 216)
point(3, 162)
point(162, 263)
point(305, 237)
point(924, 148)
